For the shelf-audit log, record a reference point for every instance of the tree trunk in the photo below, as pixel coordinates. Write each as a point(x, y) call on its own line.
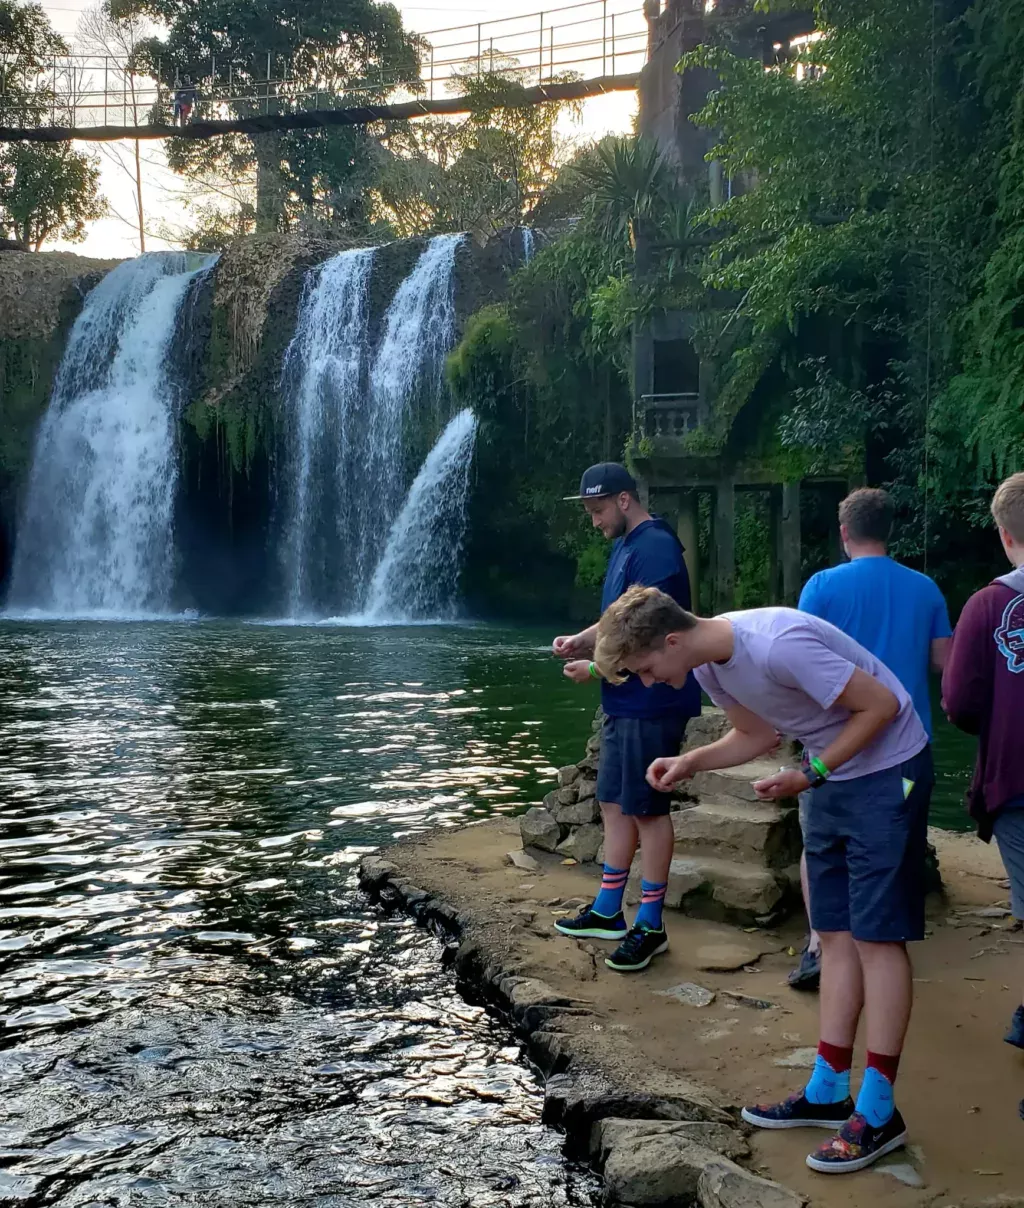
point(269, 186)
point(138, 197)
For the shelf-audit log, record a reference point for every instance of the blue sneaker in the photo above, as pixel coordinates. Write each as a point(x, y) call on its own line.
point(1015, 1035)
point(807, 975)
point(589, 925)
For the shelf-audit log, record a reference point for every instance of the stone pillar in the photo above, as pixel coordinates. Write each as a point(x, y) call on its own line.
point(725, 545)
point(789, 528)
point(774, 545)
point(688, 529)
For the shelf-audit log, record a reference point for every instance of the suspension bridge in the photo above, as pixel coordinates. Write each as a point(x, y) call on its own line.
point(576, 51)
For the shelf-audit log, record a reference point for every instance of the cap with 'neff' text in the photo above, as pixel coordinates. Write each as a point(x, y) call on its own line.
point(606, 478)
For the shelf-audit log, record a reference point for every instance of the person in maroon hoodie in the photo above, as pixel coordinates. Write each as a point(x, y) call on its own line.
point(983, 694)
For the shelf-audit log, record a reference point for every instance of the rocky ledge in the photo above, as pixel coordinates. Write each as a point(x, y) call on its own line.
point(657, 1137)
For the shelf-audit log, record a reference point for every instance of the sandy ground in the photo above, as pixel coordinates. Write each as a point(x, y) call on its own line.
point(959, 1085)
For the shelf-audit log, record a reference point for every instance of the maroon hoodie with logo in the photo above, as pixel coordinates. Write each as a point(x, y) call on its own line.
point(983, 693)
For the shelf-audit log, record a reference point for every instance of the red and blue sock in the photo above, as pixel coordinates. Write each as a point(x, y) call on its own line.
point(651, 902)
point(830, 1082)
point(875, 1101)
point(608, 902)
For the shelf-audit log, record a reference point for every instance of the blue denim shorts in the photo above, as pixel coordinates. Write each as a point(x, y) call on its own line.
point(865, 841)
point(629, 745)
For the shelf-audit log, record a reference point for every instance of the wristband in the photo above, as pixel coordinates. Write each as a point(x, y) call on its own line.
point(594, 673)
point(820, 767)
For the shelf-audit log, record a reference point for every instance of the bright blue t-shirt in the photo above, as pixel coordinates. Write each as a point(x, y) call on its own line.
point(651, 555)
point(892, 611)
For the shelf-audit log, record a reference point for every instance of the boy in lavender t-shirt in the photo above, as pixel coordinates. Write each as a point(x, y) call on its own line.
point(868, 767)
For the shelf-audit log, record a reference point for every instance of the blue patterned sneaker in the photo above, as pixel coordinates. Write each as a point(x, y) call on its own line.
point(798, 1112)
point(589, 925)
point(858, 1144)
point(638, 949)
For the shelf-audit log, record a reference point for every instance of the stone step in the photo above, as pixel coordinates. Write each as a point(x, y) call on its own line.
point(760, 833)
point(725, 890)
point(736, 784)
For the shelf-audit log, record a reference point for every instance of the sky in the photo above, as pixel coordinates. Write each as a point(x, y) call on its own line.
point(116, 235)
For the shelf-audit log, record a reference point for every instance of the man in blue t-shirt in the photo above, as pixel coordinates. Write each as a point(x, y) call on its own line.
point(896, 613)
point(641, 724)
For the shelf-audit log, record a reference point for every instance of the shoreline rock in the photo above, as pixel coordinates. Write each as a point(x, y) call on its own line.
point(658, 1138)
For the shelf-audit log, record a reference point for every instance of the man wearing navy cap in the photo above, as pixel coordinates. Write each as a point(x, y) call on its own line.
point(641, 724)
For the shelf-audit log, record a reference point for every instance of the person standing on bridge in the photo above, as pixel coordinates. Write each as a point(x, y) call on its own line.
point(895, 613)
point(868, 765)
point(641, 723)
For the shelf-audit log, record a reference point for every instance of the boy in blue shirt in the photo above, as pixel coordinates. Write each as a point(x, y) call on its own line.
point(896, 613)
point(641, 724)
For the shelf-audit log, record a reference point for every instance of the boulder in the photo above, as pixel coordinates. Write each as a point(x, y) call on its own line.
point(723, 1184)
point(655, 1168)
point(568, 775)
point(609, 1133)
point(586, 787)
point(583, 843)
point(538, 828)
point(576, 814)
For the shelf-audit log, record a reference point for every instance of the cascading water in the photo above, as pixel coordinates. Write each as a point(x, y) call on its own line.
point(96, 534)
point(528, 244)
point(329, 467)
point(417, 576)
point(419, 328)
point(347, 476)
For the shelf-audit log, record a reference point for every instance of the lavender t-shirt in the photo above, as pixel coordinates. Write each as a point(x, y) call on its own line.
point(788, 667)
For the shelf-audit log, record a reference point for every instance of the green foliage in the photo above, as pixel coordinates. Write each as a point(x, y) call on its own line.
point(46, 190)
point(873, 236)
point(336, 50)
point(480, 174)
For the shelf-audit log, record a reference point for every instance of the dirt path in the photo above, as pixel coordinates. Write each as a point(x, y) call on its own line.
point(959, 1084)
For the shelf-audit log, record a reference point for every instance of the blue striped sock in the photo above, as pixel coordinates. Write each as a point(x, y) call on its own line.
point(651, 902)
point(608, 902)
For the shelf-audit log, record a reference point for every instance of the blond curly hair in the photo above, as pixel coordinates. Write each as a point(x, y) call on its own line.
point(638, 621)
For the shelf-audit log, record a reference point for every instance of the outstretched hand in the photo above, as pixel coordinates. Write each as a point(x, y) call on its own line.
point(578, 671)
point(567, 647)
point(666, 772)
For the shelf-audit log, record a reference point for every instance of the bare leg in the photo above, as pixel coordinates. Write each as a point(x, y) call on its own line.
point(842, 989)
point(657, 843)
point(888, 995)
point(620, 836)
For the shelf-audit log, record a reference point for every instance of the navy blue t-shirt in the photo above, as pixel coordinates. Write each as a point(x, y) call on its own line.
point(652, 556)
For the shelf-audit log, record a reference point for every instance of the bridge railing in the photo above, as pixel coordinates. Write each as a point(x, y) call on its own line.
point(592, 39)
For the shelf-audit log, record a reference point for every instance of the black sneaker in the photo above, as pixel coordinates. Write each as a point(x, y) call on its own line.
point(638, 949)
point(858, 1144)
point(589, 925)
point(807, 975)
point(1015, 1035)
point(798, 1112)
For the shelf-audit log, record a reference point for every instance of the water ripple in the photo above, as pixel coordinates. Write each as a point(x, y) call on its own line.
point(197, 1005)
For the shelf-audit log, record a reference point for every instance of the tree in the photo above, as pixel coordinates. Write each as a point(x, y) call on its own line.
point(120, 39)
point(270, 57)
point(47, 191)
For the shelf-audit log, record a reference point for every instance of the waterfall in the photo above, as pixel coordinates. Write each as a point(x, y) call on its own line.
point(349, 404)
point(328, 463)
point(418, 574)
point(528, 244)
point(95, 537)
point(419, 329)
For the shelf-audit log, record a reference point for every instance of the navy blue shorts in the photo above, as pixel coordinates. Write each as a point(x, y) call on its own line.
point(865, 841)
point(629, 745)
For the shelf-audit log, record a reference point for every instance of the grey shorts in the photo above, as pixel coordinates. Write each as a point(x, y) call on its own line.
point(1008, 828)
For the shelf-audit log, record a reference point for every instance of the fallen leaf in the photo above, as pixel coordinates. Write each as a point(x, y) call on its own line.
point(570, 860)
point(791, 952)
point(988, 1172)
